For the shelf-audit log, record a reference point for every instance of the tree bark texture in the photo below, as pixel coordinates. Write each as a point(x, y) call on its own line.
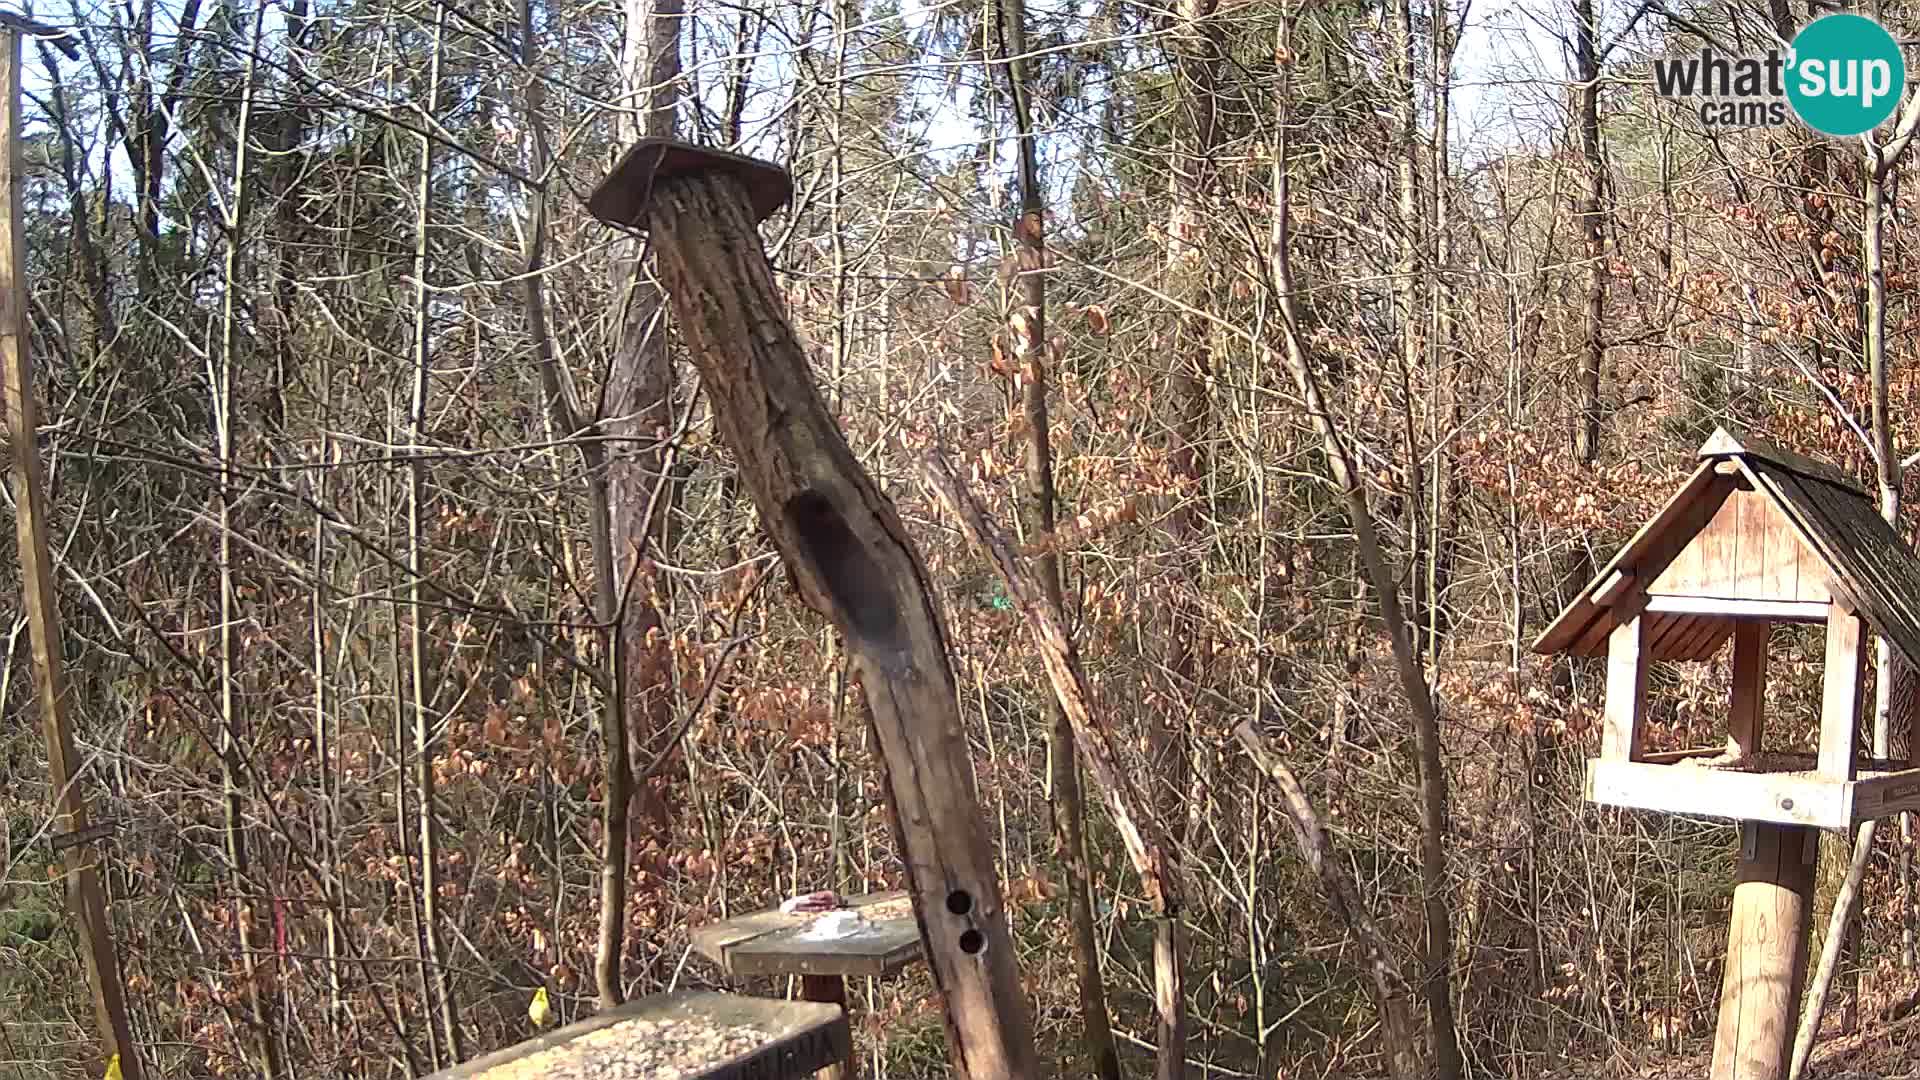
point(850, 558)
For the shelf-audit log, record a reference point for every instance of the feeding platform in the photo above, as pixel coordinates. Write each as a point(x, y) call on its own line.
point(690, 1035)
point(882, 940)
point(777, 943)
point(1756, 536)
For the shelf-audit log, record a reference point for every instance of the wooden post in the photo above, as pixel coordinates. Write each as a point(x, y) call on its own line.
point(85, 899)
point(1766, 952)
point(1744, 726)
point(1620, 738)
point(849, 556)
point(1846, 668)
point(832, 990)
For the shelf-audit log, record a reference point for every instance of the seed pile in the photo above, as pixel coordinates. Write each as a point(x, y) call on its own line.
point(636, 1050)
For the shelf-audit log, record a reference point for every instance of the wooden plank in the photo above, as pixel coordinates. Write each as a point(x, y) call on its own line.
point(713, 940)
point(1723, 443)
point(1734, 607)
point(1593, 641)
point(1845, 671)
point(1648, 552)
point(1685, 573)
point(1622, 733)
point(1663, 632)
point(1750, 568)
point(769, 942)
point(1719, 545)
point(799, 1038)
point(1745, 722)
point(1696, 631)
point(878, 953)
point(1766, 969)
point(1710, 646)
point(1886, 795)
point(86, 899)
point(1614, 588)
point(1792, 799)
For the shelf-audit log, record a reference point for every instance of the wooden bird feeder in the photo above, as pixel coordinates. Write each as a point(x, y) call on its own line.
point(688, 1035)
point(777, 943)
point(1756, 536)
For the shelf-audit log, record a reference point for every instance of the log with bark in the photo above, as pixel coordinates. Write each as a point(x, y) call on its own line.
point(848, 554)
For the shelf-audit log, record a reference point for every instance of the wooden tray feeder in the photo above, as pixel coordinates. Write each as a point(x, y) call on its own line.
point(689, 1035)
point(1756, 536)
point(778, 943)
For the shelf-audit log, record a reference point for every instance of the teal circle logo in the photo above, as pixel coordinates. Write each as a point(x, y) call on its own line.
point(1845, 75)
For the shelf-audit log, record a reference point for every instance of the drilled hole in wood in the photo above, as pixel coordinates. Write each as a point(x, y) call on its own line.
point(972, 941)
point(959, 902)
point(852, 577)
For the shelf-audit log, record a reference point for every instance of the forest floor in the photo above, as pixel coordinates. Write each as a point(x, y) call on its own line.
point(1886, 1046)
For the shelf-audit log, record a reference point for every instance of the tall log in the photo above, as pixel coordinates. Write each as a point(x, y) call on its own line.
point(850, 559)
point(1766, 952)
point(66, 771)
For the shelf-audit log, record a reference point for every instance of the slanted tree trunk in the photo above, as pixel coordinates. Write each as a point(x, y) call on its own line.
point(847, 552)
point(1142, 834)
point(1437, 948)
point(1037, 516)
point(1392, 997)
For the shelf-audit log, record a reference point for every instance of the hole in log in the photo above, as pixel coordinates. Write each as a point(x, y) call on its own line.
point(972, 941)
point(959, 902)
point(852, 578)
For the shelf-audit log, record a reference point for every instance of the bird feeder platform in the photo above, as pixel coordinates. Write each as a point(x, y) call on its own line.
point(777, 943)
point(1756, 536)
point(690, 1035)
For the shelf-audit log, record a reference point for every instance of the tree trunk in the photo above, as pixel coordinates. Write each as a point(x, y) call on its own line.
point(628, 503)
point(1392, 997)
point(1438, 947)
point(1037, 517)
point(234, 728)
point(1142, 834)
point(1592, 224)
point(847, 552)
point(424, 724)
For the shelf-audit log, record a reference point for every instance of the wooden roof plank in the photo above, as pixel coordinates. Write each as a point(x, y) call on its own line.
point(1865, 558)
point(1689, 508)
point(1726, 443)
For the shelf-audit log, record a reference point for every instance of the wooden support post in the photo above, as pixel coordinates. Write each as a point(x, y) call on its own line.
point(848, 555)
point(1747, 718)
point(1766, 968)
point(1627, 659)
point(1846, 671)
point(85, 898)
point(832, 990)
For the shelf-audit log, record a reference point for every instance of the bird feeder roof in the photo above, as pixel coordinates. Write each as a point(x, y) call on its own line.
point(1790, 511)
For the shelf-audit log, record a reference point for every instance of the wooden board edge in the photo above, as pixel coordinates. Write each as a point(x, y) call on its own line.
point(1710, 793)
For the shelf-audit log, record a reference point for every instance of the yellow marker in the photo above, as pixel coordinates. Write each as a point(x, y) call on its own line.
point(538, 1012)
point(113, 1068)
